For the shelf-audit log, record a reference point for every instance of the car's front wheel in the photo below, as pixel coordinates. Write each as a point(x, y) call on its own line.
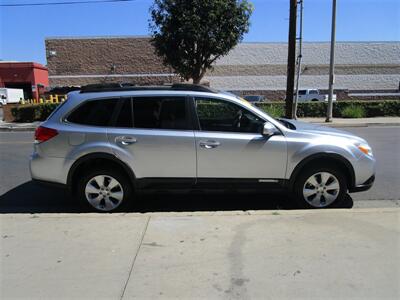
point(104, 190)
point(320, 187)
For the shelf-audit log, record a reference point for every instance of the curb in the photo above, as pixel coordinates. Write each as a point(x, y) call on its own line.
point(248, 213)
point(17, 129)
point(344, 125)
point(9, 126)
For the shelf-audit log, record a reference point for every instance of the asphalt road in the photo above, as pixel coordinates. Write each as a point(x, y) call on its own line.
point(19, 194)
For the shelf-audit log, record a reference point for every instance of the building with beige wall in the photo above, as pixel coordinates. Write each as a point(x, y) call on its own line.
point(249, 67)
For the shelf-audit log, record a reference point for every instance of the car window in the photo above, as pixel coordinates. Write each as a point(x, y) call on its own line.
point(95, 113)
point(302, 92)
point(124, 118)
point(252, 98)
point(160, 113)
point(57, 109)
point(219, 115)
point(314, 92)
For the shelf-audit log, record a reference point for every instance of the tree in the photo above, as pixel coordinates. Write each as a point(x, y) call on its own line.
point(190, 35)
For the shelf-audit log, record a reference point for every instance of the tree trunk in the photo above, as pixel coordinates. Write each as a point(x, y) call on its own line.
point(196, 80)
point(198, 76)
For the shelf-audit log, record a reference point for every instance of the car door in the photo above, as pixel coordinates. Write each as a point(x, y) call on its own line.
point(230, 145)
point(154, 136)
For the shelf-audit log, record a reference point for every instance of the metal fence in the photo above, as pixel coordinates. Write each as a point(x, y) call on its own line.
point(47, 99)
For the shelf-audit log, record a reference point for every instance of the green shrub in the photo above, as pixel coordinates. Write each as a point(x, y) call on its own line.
point(46, 109)
point(311, 109)
point(33, 112)
point(341, 109)
point(376, 108)
point(275, 111)
point(353, 111)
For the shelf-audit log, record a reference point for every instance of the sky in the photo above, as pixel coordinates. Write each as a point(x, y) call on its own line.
point(24, 29)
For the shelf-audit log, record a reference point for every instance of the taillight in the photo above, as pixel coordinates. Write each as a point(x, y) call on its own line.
point(43, 134)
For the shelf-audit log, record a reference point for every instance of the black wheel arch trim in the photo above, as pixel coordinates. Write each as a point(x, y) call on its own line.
point(313, 157)
point(98, 155)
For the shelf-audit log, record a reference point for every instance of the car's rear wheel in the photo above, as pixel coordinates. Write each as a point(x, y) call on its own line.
point(320, 187)
point(104, 190)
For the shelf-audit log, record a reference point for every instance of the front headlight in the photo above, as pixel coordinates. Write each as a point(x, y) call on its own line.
point(365, 148)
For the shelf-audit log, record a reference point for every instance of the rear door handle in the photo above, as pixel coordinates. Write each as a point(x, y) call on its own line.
point(126, 140)
point(209, 144)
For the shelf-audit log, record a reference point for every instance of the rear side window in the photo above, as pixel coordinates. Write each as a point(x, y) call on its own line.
point(124, 118)
point(160, 113)
point(57, 109)
point(95, 113)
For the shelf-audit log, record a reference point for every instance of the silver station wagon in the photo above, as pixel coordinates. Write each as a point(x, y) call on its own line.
point(107, 142)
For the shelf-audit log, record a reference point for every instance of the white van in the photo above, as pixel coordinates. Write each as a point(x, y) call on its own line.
point(10, 95)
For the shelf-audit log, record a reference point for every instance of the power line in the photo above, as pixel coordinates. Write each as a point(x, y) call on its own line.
point(63, 3)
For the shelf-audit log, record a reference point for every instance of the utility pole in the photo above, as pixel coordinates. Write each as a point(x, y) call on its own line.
point(299, 57)
point(291, 65)
point(332, 64)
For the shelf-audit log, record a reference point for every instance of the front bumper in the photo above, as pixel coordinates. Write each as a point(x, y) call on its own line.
point(363, 187)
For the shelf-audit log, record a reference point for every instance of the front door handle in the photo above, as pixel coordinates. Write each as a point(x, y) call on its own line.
point(209, 144)
point(126, 140)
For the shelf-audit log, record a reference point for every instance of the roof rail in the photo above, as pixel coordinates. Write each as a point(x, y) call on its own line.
point(110, 87)
point(192, 87)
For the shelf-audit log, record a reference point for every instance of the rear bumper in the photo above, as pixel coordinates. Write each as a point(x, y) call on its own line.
point(49, 169)
point(363, 187)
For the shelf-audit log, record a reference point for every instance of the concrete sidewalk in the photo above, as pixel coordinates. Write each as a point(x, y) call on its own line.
point(211, 255)
point(362, 122)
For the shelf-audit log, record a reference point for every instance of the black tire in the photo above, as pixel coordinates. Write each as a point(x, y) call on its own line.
point(124, 185)
point(315, 170)
point(314, 100)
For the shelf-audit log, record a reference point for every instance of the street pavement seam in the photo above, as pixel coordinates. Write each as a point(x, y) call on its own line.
point(134, 258)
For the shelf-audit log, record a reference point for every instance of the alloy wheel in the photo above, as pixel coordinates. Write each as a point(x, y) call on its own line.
point(321, 189)
point(104, 192)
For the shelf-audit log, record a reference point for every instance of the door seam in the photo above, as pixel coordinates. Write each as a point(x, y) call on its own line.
point(197, 160)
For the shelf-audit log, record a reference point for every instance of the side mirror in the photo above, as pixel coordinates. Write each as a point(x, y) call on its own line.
point(269, 130)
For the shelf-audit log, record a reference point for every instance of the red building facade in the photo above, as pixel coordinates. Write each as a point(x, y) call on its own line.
point(32, 77)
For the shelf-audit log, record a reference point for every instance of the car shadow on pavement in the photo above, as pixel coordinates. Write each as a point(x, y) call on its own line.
point(32, 198)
